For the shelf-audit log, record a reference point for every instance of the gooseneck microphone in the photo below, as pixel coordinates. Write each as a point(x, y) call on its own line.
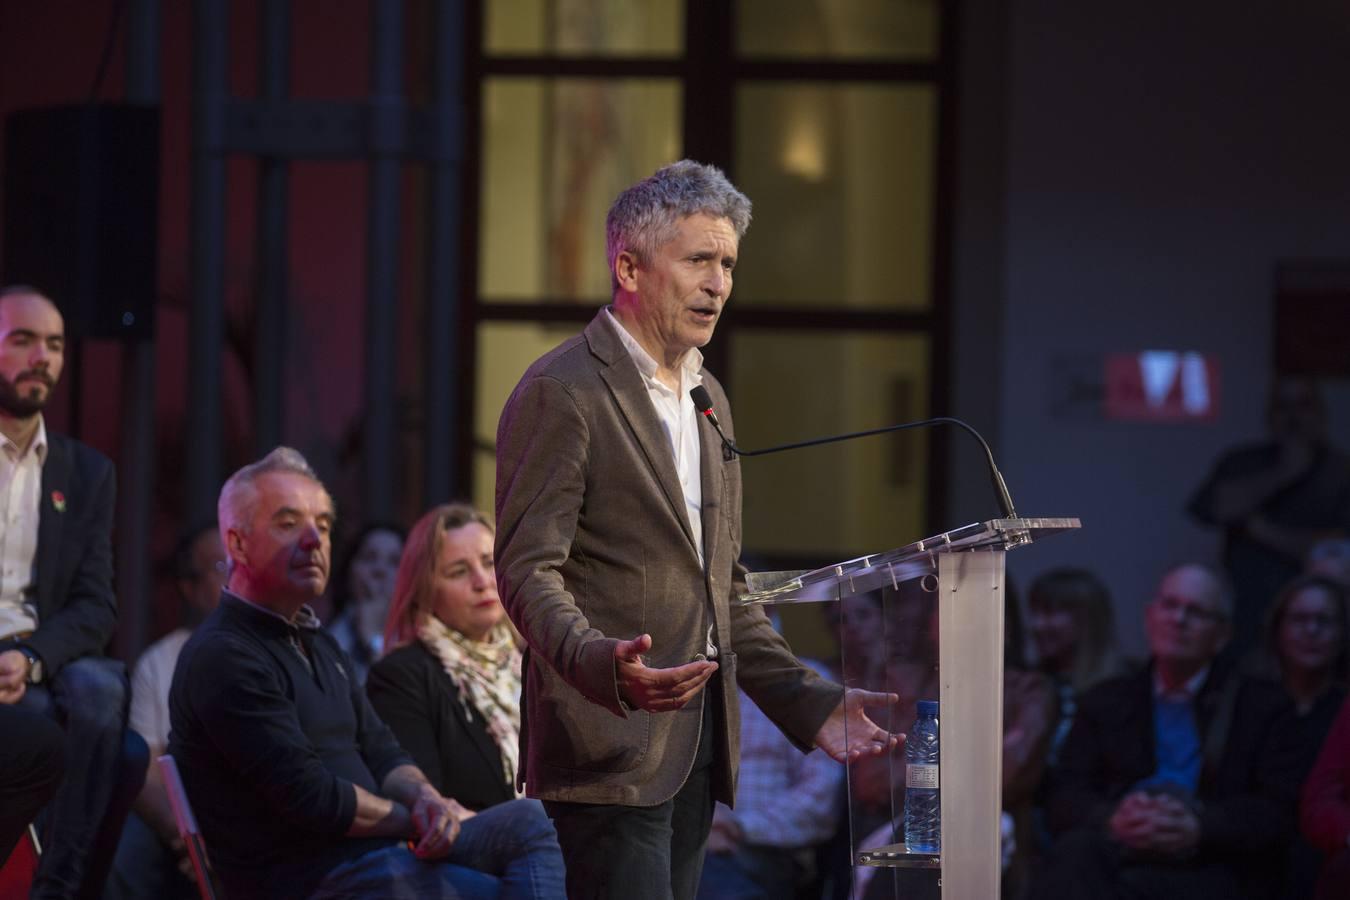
point(703, 403)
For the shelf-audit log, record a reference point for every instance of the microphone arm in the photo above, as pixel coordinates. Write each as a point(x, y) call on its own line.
point(703, 403)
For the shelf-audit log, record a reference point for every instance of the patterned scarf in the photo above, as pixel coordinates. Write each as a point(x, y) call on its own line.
point(487, 675)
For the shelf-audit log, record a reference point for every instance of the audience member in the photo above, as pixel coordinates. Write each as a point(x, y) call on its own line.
point(1273, 500)
point(1073, 630)
point(299, 788)
point(32, 759)
point(362, 591)
point(152, 861)
point(57, 607)
point(449, 688)
point(1324, 811)
point(1174, 782)
point(1306, 647)
point(1305, 650)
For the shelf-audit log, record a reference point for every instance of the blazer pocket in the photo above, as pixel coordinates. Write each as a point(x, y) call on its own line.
point(577, 734)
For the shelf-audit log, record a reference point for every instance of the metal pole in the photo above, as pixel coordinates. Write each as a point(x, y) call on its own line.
point(206, 323)
point(136, 459)
point(273, 208)
point(444, 369)
point(387, 127)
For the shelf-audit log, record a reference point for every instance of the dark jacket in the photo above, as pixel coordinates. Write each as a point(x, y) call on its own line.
point(77, 609)
point(447, 739)
point(1248, 781)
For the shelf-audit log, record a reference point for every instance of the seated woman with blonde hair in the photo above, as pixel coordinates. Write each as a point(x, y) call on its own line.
point(449, 684)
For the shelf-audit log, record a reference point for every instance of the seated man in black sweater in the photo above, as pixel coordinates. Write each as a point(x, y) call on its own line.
point(299, 788)
point(1174, 782)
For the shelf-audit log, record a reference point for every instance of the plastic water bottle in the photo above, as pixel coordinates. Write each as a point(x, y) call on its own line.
point(923, 808)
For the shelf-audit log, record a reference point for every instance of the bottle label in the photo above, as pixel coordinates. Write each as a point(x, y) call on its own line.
point(922, 776)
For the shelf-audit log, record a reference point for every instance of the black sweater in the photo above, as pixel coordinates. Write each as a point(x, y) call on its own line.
point(447, 739)
point(269, 751)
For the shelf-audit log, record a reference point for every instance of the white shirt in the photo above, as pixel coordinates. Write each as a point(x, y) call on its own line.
point(20, 505)
point(150, 688)
point(679, 420)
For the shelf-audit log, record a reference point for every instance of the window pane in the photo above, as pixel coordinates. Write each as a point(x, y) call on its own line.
point(585, 27)
point(555, 155)
point(505, 351)
point(838, 29)
point(842, 178)
point(842, 500)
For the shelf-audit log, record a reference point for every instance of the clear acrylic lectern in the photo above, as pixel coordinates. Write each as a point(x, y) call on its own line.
point(951, 584)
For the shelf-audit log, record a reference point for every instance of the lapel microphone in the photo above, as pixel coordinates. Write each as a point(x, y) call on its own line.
point(703, 403)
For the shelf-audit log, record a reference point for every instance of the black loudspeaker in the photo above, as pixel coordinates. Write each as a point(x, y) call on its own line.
point(81, 213)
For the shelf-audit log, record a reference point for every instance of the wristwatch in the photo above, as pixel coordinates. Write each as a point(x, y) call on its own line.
point(34, 663)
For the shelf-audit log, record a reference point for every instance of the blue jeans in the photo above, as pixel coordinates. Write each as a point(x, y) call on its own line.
point(508, 851)
point(105, 768)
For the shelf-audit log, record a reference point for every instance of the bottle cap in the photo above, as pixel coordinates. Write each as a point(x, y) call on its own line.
point(928, 707)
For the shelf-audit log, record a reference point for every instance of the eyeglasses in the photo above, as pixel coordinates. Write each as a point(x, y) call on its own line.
point(1187, 612)
point(1311, 621)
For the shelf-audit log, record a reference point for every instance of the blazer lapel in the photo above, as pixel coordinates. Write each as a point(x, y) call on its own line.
point(630, 395)
point(55, 477)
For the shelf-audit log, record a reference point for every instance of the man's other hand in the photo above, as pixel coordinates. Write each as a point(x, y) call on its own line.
point(1132, 823)
point(1176, 828)
point(436, 821)
point(656, 690)
point(13, 676)
point(848, 734)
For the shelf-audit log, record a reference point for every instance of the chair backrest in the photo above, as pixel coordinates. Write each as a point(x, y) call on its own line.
point(187, 828)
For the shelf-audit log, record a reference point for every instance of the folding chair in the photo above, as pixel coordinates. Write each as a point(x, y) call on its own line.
point(188, 830)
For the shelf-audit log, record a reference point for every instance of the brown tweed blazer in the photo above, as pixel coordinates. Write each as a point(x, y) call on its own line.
point(593, 547)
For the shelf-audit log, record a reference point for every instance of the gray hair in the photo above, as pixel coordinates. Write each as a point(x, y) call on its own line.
point(1219, 586)
point(645, 216)
point(239, 495)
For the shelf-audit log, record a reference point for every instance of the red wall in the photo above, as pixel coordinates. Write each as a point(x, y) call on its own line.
point(49, 53)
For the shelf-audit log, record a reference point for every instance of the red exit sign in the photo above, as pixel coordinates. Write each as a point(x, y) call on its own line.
point(1161, 386)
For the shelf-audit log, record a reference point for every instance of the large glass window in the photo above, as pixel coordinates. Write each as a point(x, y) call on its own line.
point(828, 114)
point(556, 152)
point(840, 500)
point(585, 27)
point(842, 180)
point(838, 29)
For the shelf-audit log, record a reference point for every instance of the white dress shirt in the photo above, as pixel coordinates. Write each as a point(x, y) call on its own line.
point(20, 505)
point(679, 420)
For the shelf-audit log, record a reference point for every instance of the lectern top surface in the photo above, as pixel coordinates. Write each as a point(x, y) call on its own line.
point(891, 567)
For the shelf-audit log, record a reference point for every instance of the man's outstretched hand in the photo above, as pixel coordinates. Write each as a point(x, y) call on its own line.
point(656, 690)
point(848, 734)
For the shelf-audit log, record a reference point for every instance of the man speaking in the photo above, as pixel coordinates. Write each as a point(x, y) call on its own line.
point(618, 544)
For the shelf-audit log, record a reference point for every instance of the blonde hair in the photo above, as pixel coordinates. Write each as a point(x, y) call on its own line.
point(413, 588)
